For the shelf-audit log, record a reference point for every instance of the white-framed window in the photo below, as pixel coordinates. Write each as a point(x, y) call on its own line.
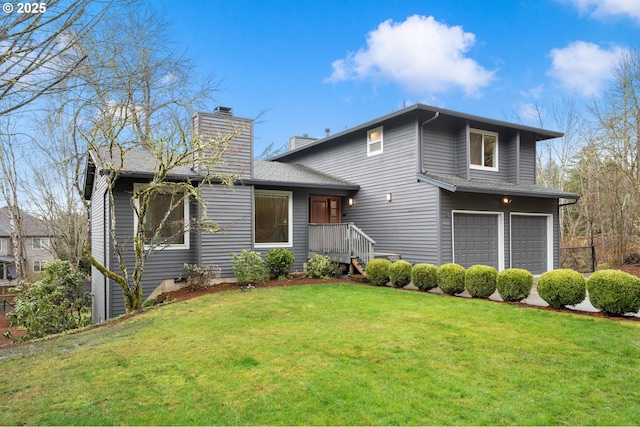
point(483, 149)
point(273, 218)
point(3, 271)
point(174, 234)
point(38, 266)
point(1, 245)
point(40, 243)
point(374, 141)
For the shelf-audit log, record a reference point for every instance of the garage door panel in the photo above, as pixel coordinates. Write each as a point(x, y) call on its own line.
point(529, 245)
point(476, 239)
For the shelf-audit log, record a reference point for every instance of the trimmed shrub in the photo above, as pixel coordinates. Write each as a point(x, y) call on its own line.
point(424, 276)
point(451, 278)
point(249, 268)
point(614, 292)
point(480, 281)
point(514, 284)
point(279, 261)
point(562, 287)
point(321, 266)
point(400, 274)
point(378, 271)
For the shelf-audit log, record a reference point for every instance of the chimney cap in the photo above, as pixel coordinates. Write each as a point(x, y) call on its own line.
point(224, 110)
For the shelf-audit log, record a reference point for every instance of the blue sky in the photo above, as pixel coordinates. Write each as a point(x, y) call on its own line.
point(311, 65)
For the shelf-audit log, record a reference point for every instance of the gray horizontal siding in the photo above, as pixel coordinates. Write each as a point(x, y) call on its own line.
point(231, 208)
point(99, 242)
point(527, 159)
point(407, 225)
point(161, 264)
point(440, 148)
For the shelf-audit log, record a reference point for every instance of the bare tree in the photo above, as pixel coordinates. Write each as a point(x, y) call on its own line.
point(617, 118)
point(39, 49)
point(39, 54)
point(137, 96)
point(53, 168)
point(9, 191)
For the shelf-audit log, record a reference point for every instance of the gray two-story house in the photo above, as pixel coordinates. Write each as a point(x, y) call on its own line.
point(424, 184)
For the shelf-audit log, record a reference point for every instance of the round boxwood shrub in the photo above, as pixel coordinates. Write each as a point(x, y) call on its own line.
point(562, 287)
point(514, 284)
point(451, 278)
point(424, 276)
point(400, 274)
point(480, 281)
point(614, 292)
point(249, 268)
point(279, 261)
point(378, 271)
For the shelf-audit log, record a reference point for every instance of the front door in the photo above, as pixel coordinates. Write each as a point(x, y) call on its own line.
point(324, 210)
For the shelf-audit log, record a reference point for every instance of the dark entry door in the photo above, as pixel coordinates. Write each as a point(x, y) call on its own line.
point(324, 210)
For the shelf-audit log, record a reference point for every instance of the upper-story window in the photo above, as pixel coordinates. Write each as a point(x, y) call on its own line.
point(483, 149)
point(40, 243)
point(374, 141)
point(38, 266)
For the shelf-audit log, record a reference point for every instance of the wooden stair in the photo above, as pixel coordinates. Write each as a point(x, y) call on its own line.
point(356, 269)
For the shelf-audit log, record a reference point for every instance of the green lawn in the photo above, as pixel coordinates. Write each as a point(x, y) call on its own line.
point(331, 354)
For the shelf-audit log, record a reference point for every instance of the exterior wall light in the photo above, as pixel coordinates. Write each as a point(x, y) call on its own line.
point(350, 201)
point(389, 197)
point(506, 200)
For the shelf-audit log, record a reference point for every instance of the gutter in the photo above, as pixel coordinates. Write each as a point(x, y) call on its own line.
point(575, 201)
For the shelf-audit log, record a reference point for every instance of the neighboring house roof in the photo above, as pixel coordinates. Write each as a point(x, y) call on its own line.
point(457, 184)
point(292, 175)
point(31, 226)
point(542, 134)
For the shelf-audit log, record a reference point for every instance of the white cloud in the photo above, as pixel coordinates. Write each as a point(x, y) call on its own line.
point(530, 112)
point(421, 54)
point(605, 8)
point(583, 66)
point(535, 93)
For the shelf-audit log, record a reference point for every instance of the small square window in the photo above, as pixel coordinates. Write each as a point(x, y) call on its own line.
point(374, 141)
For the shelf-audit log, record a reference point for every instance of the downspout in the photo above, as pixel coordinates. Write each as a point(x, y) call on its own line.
point(106, 247)
point(422, 170)
point(420, 142)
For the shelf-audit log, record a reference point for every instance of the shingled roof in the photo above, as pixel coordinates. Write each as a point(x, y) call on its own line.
point(292, 175)
point(485, 186)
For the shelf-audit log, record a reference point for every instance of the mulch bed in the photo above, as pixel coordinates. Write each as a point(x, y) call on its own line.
point(185, 294)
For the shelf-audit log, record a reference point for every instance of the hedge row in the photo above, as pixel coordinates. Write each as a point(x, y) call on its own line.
point(480, 281)
point(611, 291)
